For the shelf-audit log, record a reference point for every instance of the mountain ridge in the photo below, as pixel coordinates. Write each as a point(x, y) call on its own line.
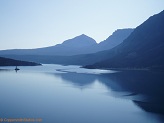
point(144, 48)
point(81, 44)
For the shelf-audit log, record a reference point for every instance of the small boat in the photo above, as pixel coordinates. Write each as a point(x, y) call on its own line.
point(17, 68)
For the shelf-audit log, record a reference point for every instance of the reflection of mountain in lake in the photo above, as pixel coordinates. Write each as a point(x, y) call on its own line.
point(141, 82)
point(156, 107)
point(81, 80)
point(147, 83)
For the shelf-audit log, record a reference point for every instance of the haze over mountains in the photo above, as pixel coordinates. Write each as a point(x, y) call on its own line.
point(115, 39)
point(142, 47)
point(79, 45)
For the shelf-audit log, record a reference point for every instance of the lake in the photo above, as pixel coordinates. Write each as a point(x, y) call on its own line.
point(69, 94)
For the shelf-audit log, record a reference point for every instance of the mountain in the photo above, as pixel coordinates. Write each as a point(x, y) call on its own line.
point(83, 59)
point(79, 45)
point(115, 39)
point(69, 47)
point(144, 48)
point(12, 62)
point(81, 41)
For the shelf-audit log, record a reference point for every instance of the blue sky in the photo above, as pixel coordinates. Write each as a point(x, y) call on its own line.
point(41, 23)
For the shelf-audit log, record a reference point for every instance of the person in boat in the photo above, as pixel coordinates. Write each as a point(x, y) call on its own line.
point(17, 68)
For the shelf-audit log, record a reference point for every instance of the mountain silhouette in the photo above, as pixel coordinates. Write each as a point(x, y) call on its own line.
point(81, 44)
point(115, 39)
point(144, 48)
point(69, 47)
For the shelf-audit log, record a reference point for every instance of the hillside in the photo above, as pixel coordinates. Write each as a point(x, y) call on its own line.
point(115, 39)
point(69, 47)
point(12, 62)
point(144, 48)
point(81, 44)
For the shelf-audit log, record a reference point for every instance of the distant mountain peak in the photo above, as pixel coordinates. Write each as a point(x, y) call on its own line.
point(80, 41)
point(83, 35)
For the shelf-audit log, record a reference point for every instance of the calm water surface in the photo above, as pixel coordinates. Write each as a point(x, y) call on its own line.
point(69, 94)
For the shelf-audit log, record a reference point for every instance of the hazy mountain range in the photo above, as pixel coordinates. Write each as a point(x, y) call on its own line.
point(79, 45)
point(61, 53)
point(142, 47)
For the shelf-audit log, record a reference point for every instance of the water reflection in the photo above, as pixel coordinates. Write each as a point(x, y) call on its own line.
point(147, 83)
point(78, 79)
point(57, 97)
point(145, 88)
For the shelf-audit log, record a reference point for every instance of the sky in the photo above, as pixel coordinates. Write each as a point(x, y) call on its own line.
point(26, 24)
